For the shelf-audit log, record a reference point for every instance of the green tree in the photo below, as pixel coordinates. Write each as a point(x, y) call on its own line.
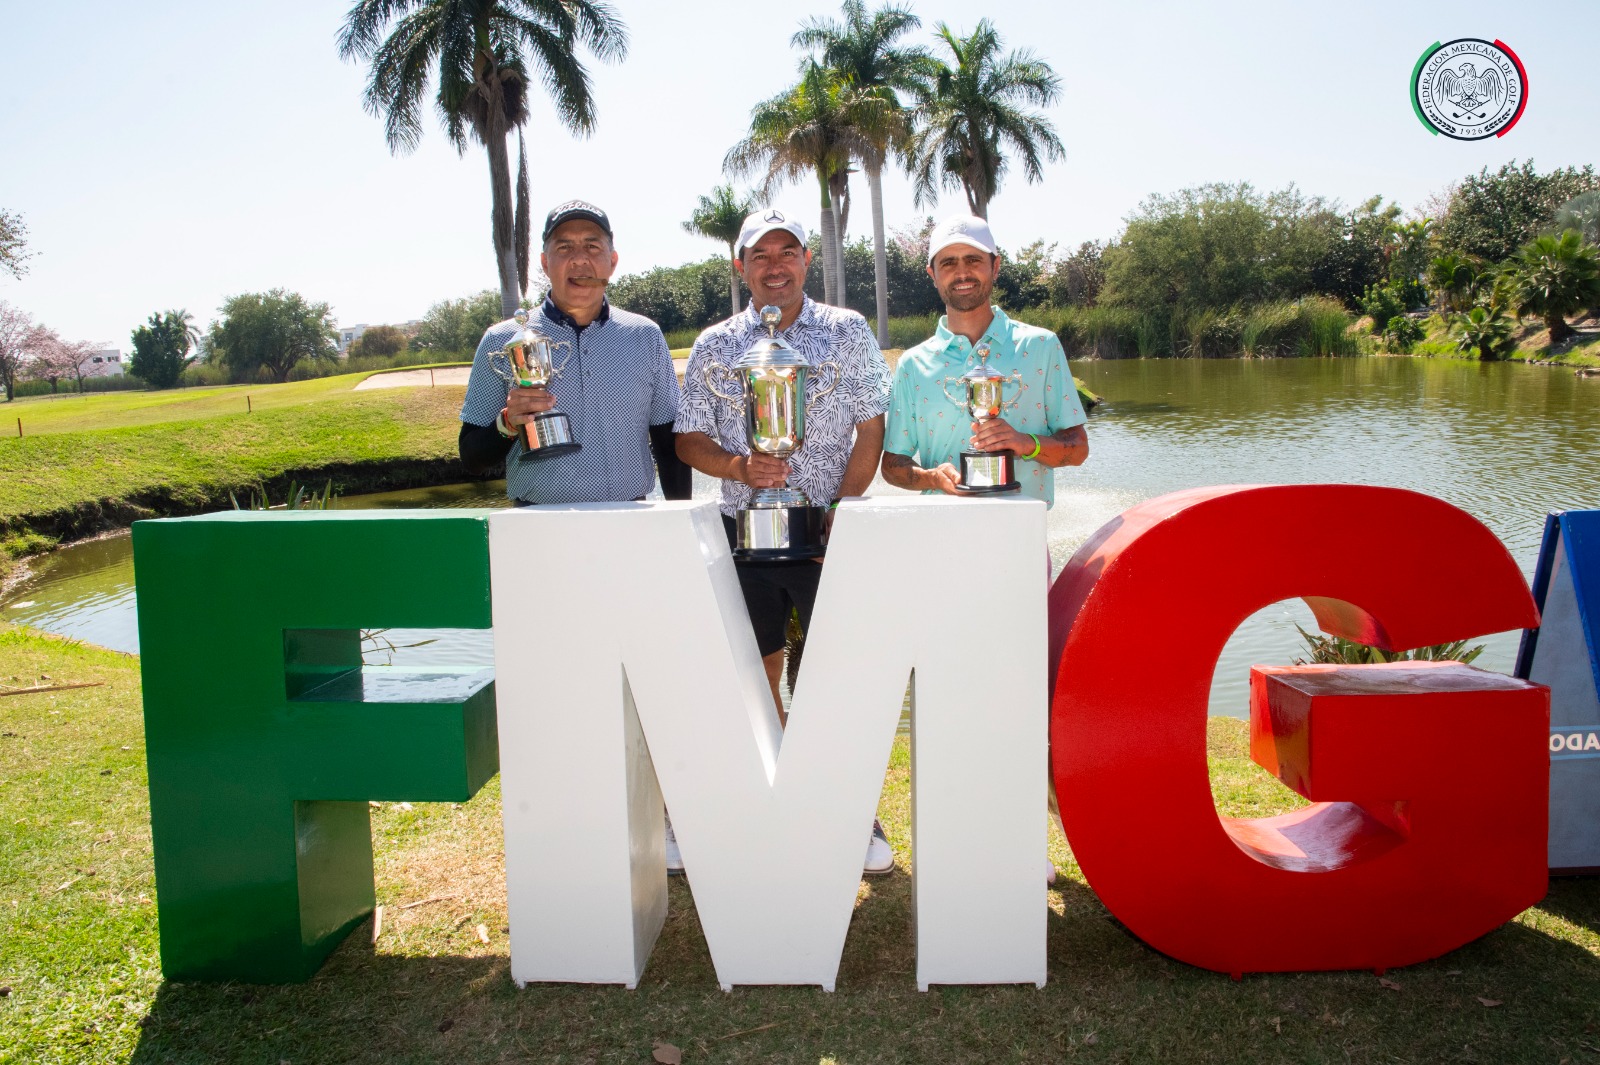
point(720, 216)
point(380, 340)
point(1552, 277)
point(968, 113)
point(806, 129)
point(456, 326)
point(1357, 256)
point(483, 54)
point(13, 246)
point(1408, 249)
point(861, 49)
point(1490, 216)
point(1484, 331)
point(161, 348)
point(1453, 280)
point(1219, 245)
point(272, 331)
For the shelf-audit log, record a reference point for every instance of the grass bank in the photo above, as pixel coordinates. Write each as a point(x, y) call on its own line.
point(86, 463)
point(1530, 343)
point(79, 950)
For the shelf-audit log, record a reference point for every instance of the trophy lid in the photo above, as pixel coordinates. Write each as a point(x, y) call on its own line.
point(983, 371)
point(770, 352)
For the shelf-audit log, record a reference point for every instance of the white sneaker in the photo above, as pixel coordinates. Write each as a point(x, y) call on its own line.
point(1049, 872)
point(880, 858)
point(674, 859)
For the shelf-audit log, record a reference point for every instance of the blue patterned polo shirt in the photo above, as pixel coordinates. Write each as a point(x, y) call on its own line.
point(926, 426)
point(820, 334)
point(617, 382)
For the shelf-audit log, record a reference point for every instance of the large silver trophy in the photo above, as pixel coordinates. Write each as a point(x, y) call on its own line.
point(778, 523)
point(982, 391)
point(527, 361)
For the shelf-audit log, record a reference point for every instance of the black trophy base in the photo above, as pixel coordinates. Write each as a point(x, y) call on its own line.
point(988, 473)
point(547, 436)
point(780, 534)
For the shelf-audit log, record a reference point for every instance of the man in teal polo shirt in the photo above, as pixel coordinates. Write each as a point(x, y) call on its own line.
point(926, 432)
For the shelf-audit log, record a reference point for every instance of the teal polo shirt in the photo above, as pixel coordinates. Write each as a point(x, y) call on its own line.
point(927, 427)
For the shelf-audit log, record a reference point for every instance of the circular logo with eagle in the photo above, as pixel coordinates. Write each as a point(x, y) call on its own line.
point(1469, 88)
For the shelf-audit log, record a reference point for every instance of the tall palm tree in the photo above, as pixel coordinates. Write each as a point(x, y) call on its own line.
point(806, 129)
point(1552, 277)
point(861, 48)
point(968, 113)
point(483, 54)
point(720, 216)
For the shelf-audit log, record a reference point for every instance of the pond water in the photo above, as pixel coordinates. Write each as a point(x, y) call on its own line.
point(1507, 443)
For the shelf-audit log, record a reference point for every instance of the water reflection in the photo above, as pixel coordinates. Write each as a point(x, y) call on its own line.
point(1506, 443)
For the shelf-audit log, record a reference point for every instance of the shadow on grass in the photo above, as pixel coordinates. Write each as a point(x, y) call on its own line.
point(1518, 994)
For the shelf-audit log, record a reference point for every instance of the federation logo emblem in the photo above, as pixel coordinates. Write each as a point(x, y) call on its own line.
point(1469, 89)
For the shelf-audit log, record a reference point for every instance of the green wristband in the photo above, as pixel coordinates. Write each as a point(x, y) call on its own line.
point(1038, 445)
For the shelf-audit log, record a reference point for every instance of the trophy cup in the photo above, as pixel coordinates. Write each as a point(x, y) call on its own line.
point(985, 472)
point(526, 362)
point(777, 523)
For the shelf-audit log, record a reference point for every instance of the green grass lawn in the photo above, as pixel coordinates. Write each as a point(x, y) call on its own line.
point(78, 950)
point(103, 460)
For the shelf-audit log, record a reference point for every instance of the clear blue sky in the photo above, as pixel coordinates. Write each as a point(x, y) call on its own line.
point(171, 154)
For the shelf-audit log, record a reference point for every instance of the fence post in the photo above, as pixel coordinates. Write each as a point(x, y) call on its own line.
point(19, 428)
point(248, 409)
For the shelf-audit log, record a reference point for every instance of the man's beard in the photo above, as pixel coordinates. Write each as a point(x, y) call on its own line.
point(970, 302)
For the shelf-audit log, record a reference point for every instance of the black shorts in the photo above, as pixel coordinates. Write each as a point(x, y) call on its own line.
point(771, 590)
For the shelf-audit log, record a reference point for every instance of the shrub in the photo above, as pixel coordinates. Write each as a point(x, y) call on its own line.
point(1381, 303)
point(1402, 334)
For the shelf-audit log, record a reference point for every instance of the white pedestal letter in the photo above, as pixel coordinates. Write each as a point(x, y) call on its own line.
point(624, 655)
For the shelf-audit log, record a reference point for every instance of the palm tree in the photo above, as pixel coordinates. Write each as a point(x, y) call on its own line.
point(1454, 280)
point(483, 53)
point(1552, 277)
point(861, 49)
point(1484, 330)
point(720, 216)
point(968, 113)
point(804, 129)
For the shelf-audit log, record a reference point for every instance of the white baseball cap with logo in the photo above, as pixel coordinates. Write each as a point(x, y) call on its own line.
point(765, 221)
point(961, 229)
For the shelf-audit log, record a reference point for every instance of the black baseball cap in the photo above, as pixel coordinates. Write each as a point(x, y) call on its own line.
point(566, 212)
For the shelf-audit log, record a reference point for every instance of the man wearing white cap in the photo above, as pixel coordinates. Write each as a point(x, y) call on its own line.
point(844, 429)
point(926, 432)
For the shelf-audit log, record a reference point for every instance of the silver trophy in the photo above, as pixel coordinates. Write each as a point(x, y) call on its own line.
point(985, 472)
point(777, 523)
point(527, 361)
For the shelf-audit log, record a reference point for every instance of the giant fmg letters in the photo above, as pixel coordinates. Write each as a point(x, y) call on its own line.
point(266, 738)
point(626, 673)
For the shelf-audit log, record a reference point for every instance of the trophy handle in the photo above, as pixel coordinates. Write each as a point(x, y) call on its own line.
point(833, 382)
point(714, 370)
point(505, 367)
point(945, 384)
point(555, 371)
point(1017, 377)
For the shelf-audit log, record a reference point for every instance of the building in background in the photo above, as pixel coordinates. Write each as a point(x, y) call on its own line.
point(106, 361)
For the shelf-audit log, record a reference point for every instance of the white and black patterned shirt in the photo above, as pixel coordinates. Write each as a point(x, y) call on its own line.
point(617, 382)
point(820, 334)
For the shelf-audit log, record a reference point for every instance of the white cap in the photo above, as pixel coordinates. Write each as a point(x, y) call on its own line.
point(766, 221)
point(961, 229)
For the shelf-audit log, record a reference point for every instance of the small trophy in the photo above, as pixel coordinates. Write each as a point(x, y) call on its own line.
point(526, 362)
point(778, 523)
point(985, 472)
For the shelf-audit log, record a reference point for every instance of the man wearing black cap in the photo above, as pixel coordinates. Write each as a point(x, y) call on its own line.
point(617, 386)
